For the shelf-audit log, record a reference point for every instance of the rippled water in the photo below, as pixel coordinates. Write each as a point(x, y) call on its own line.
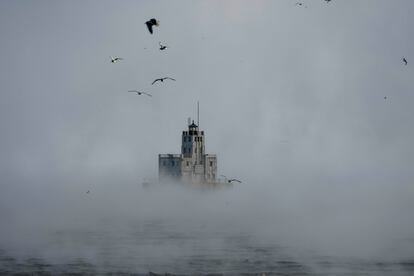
point(160, 247)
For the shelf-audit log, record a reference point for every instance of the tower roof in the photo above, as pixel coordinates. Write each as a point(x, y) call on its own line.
point(193, 125)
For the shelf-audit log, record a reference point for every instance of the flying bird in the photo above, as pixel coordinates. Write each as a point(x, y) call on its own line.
point(385, 97)
point(405, 61)
point(230, 180)
point(115, 59)
point(152, 22)
point(162, 79)
point(163, 47)
point(139, 92)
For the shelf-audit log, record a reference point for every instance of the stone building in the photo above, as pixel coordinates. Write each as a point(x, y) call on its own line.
point(193, 165)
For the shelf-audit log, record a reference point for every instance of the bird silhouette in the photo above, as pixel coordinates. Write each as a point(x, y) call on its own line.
point(139, 92)
point(233, 180)
point(163, 47)
point(152, 22)
point(405, 61)
point(115, 59)
point(162, 79)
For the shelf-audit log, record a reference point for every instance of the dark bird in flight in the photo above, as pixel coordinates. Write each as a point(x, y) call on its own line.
point(301, 4)
point(139, 92)
point(163, 47)
point(405, 61)
point(385, 97)
point(231, 180)
point(152, 22)
point(115, 59)
point(162, 79)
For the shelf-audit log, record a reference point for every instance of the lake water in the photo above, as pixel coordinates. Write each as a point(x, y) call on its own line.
point(162, 247)
point(110, 231)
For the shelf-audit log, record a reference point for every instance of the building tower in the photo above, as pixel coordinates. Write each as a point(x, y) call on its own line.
point(192, 165)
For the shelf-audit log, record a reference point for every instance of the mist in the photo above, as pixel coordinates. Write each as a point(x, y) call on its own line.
point(291, 101)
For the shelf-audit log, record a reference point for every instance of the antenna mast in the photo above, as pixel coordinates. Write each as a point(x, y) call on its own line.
point(198, 115)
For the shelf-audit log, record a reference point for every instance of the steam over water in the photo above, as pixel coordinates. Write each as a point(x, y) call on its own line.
point(310, 106)
point(245, 230)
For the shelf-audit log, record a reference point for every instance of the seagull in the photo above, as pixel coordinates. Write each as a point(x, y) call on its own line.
point(233, 180)
point(162, 79)
point(230, 180)
point(139, 92)
point(162, 47)
point(152, 22)
point(115, 59)
point(405, 61)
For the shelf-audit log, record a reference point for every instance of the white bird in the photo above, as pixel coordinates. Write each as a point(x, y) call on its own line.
point(115, 59)
point(139, 92)
point(163, 47)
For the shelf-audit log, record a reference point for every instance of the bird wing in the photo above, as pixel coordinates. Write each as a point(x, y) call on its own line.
point(236, 180)
point(149, 26)
point(155, 81)
point(133, 91)
point(147, 94)
point(169, 78)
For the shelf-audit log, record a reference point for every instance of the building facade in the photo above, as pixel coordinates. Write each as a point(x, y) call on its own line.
point(193, 165)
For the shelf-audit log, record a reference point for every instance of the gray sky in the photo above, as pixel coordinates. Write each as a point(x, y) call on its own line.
point(288, 94)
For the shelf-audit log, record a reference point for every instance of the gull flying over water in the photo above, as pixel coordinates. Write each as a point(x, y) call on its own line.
point(115, 59)
point(231, 179)
point(162, 79)
point(152, 22)
point(140, 92)
point(405, 61)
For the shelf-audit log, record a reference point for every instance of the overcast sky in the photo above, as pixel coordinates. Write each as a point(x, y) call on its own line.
point(288, 93)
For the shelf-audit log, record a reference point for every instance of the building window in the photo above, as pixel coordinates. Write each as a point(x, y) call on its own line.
point(188, 163)
point(164, 163)
point(211, 163)
point(195, 150)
